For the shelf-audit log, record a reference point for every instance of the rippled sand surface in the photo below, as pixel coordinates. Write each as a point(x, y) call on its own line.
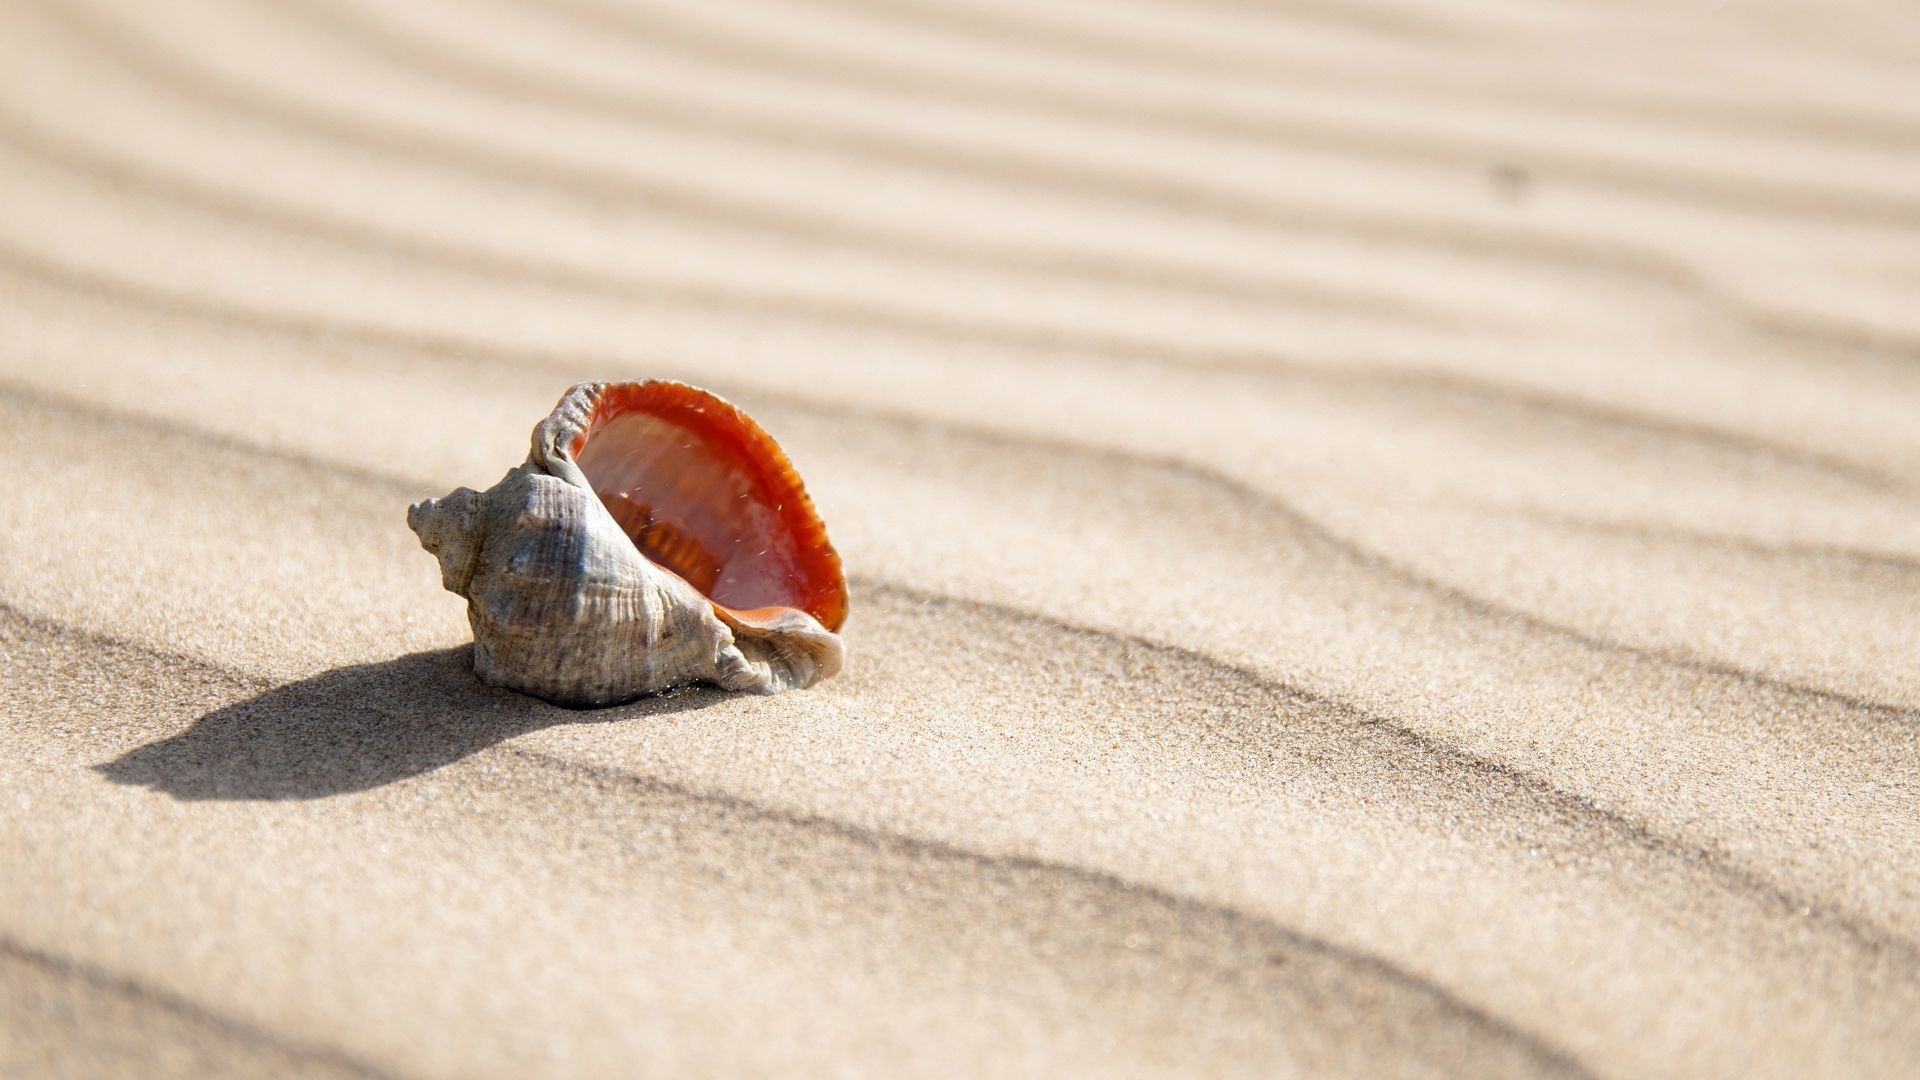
point(1386, 537)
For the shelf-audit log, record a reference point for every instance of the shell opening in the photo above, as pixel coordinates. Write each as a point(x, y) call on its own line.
point(706, 494)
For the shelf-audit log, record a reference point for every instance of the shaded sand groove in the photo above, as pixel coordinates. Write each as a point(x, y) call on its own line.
point(887, 32)
point(1895, 565)
point(1385, 538)
point(635, 192)
point(600, 182)
point(420, 53)
point(1249, 949)
point(55, 1006)
point(1408, 145)
point(381, 337)
point(457, 256)
point(1869, 124)
point(943, 325)
point(1863, 737)
point(1553, 803)
point(334, 329)
point(203, 764)
point(480, 263)
point(1344, 746)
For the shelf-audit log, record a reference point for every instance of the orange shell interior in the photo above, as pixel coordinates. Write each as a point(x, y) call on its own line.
point(706, 493)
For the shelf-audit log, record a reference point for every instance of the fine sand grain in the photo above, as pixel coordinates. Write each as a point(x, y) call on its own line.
point(1385, 536)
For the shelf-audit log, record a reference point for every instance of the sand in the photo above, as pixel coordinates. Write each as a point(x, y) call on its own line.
point(1385, 538)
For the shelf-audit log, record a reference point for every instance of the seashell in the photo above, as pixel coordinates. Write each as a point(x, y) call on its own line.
point(655, 537)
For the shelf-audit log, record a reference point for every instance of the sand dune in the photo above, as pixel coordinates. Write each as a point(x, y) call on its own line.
point(1386, 540)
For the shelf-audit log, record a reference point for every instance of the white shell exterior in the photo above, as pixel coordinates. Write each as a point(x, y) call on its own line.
point(566, 608)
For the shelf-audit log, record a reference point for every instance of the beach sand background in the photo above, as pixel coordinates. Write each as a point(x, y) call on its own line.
point(1385, 537)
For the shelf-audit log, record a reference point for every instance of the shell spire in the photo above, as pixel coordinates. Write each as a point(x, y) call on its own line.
point(655, 536)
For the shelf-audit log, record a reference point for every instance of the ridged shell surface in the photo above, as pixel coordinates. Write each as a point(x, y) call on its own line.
point(655, 537)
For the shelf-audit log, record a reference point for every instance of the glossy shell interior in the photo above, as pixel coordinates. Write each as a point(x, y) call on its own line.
point(708, 495)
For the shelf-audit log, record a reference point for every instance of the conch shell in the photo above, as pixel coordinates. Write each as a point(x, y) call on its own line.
point(655, 537)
